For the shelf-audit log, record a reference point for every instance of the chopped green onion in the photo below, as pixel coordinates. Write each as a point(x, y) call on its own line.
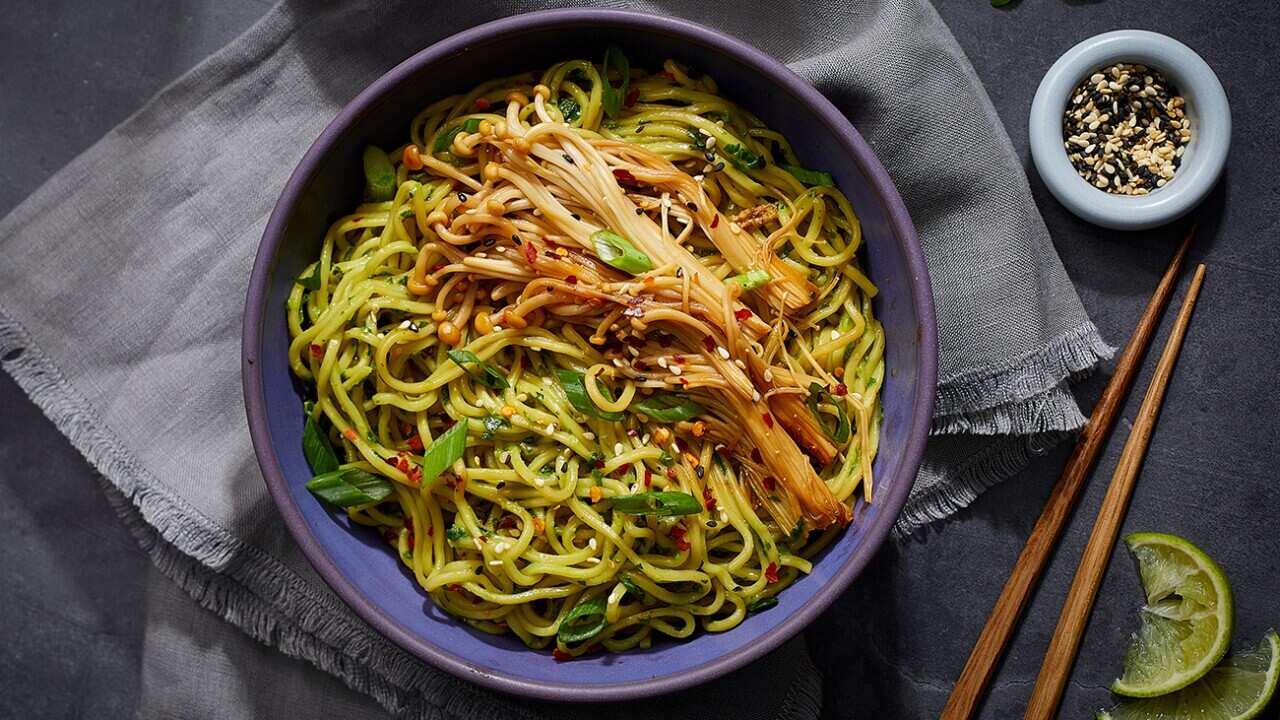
point(312, 281)
point(611, 97)
point(667, 408)
point(616, 251)
point(445, 139)
point(379, 175)
point(492, 424)
point(489, 375)
point(812, 178)
point(743, 157)
point(444, 451)
point(572, 382)
point(348, 487)
point(751, 279)
point(840, 430)
point(761, 604)
point(659, 503)
point(316, 448)
point(569, 109)
point(583, 622)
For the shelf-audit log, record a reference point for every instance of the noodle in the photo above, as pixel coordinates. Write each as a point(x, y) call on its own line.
point(714, 353)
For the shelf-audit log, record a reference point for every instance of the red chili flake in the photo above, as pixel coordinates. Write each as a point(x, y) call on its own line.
point(415, 475)
point(715, 220)
point(770, 483)
point(667, 74)
point(507, 522)
point(549, 254)
point(841, 389)
point(317, 350)
point(349, 434)
point(632, 97)
point(771, 573)
point(768, 420)
point(708, 343)
point(530, 252)
point(678, 532)
point(755, 455)
point(437, 267)
point(454, 587)
point(402, 464)
point(572, 279)
point(408, 536)
point(742, 313)
point(648, 478)
point(665, 340)
point(671, 473)
point(619, 472)
point(560, 655)
point(406, 428)
point(482, 104)
point(624, 175)
point(415, 443)
point(684, 382)
point(709, 499)
point(484, 539)
point(430, 531)
point(640, 365)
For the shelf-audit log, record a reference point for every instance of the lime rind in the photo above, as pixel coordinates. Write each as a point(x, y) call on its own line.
point(1238, 688)
point(1186, 622)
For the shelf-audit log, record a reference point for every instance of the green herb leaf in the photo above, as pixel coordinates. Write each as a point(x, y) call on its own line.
point(667, 408)
point(349, 487)
point(840, 430)
point(445, 139)
point(632, 587)
point(492, 424)
point(812, 178)
point(316, 448)
point(312, 281)
point(611, 97)
point(616, 251)
point(697, 139)
point(489, 375)
point(658, 503)
point(455, 533)
point(742, 157)
point(751, 279)
point(583, 622)
point(572, 382)
point(761, 604)
point(570, 109)
point(379, 175)
point(444, 451)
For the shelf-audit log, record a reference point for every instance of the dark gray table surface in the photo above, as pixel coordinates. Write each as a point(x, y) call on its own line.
point(72, 598)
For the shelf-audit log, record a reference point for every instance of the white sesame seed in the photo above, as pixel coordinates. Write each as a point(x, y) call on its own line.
point(741, 365)
point(662, 361)
point(755, 395)
point(589, 435)
point(735, 228)
point(539, 481)
point(644, 439)
point(591, 543)
point(835, 334)
point(495, 563)
point(699, 177)
point(723, 353)
point(406, 325)
point(711, 142)
point(617, 448)
point(675, 370)
point(768, 375)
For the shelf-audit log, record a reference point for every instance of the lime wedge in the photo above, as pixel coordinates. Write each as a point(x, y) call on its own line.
point(1237, 689)
point(1186, 623)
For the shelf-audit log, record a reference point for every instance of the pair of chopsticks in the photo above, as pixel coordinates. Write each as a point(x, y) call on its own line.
point(1013, 599)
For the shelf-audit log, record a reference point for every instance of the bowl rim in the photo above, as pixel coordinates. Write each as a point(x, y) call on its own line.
point(922, 402)
point(1206, 155)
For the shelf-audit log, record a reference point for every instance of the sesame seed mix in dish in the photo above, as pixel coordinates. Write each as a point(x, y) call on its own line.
point(1125, 129)
point(595, 355)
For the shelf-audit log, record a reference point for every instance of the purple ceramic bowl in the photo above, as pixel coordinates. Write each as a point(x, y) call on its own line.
point(357, 564)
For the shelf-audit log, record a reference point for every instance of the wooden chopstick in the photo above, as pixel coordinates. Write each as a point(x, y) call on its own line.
point(991, 643)
point(1061, 654)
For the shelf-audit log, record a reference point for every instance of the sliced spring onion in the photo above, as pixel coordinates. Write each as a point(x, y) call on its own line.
point(489, 375)
point(573, 384)
point(445, 139)
point(743, 157)
point(667, 408)
point(663, 503)
point(611, 97)
point(583, 622)
point(811, 178)
point(751, 279)
point(379, 175)
point(761, 604)
point(312, 281)
point(348, 487)
point(616, 251)
point(316, 448)
point(444, 452)
point(839, 430)
point(569, 109)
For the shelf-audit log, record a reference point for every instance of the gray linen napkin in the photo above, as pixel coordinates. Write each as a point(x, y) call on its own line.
point(123, 280)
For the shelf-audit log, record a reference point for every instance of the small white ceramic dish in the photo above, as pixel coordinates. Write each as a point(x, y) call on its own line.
point(1202, 161)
